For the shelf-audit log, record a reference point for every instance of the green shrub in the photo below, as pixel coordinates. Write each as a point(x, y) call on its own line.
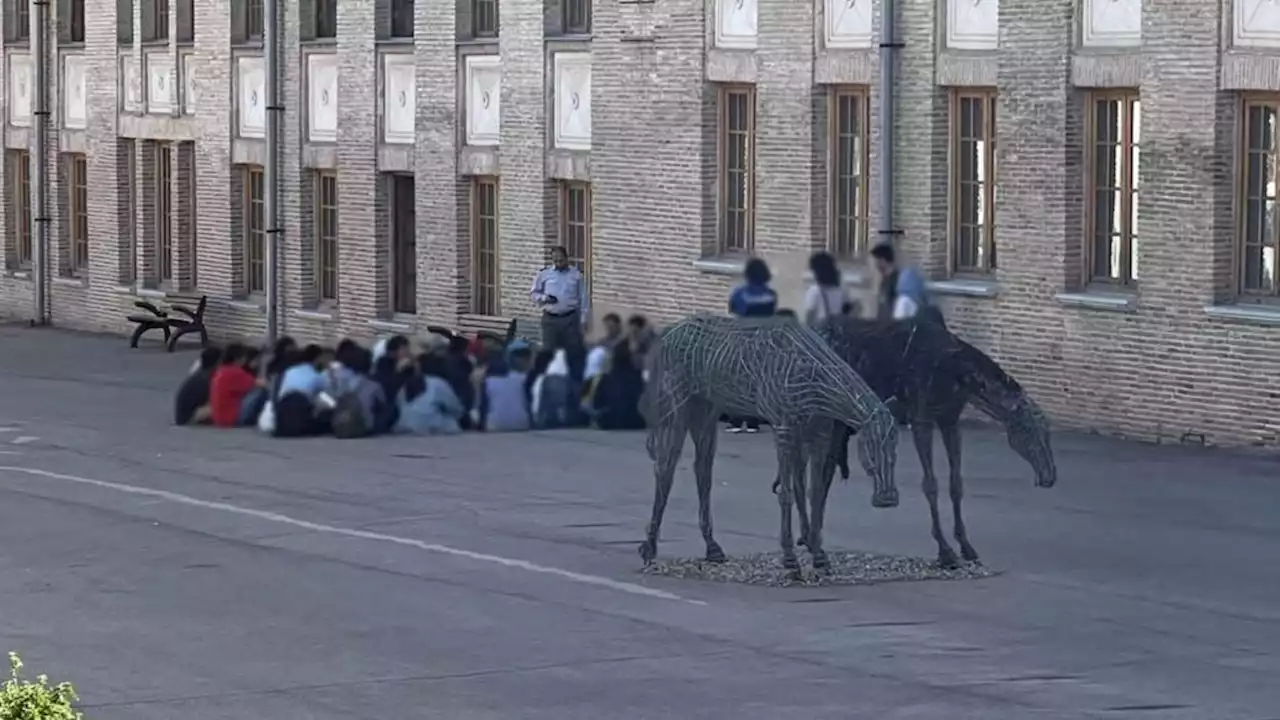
point(22, 700)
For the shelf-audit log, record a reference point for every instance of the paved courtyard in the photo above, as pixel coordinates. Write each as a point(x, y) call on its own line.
point(203, 575)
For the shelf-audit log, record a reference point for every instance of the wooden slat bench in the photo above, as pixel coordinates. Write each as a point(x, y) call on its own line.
point(175, 315)
point(497, 329)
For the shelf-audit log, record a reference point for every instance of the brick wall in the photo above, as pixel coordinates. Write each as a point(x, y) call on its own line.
point(1156, 363)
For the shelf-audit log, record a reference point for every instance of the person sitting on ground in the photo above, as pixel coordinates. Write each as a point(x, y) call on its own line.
point(298, 410)
point(554, 402)
point(615, 402)
point(191, 403)
point(458, 367)
point(504, 407)
point(533, 381)
point(232, 382)
point(640, 337)
point(272, 370)
point(753, 298)
point(393, 368)
point(428, 405)
point(360, 408)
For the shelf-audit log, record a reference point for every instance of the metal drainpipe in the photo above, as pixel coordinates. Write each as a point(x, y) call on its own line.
point(271, 171)
point(889, 46)
point(39, 216)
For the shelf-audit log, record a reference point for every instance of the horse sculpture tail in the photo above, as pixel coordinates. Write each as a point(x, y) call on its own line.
point(648, 399)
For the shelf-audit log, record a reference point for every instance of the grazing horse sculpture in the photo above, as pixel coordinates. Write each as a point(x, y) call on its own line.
point(771, 368)
point(927, 375)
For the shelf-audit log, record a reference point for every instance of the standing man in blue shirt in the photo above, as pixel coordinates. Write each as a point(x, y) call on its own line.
point(561, 292)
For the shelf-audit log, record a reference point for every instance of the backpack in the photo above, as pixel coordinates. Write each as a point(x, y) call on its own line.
point(349, 420)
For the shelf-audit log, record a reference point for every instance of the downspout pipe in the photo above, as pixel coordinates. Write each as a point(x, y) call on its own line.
point(271, 171)
point(887, 232)
point(39, 231)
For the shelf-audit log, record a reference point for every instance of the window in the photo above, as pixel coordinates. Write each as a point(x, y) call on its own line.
point(155, 21)
point(401, 18)
point(1111, 211)
point(20, 29)
point(78, 205)
point(251, 21)
point(164, 212)
point(124, 22)
point(404, 248)
point(575, 224)
point(1259, 230)
point(484, 18)
point(20, 179)
point(577, 17)
point(71, 21)
point(848, 159)
point(188, 178)
point(973, 189)
point(484, 246)
point(326, 19)
point(127, 165)
point(737, 169)
point(326, 214)
point(254, 229)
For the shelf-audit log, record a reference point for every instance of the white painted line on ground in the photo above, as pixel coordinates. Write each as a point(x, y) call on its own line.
point(10, 452)
point(584, 579)
point(9, 429)
point(23, 440)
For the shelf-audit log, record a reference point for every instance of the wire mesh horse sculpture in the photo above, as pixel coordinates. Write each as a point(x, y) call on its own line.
point(770, 368)
point(927, 375)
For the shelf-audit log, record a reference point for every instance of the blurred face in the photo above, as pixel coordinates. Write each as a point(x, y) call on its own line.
point(612, 327)
point(560, 259)
point(884, 267)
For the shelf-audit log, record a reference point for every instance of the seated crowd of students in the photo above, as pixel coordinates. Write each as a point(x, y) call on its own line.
point(446, 386)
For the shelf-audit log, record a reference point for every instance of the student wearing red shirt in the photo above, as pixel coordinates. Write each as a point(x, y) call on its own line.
point(231, 382)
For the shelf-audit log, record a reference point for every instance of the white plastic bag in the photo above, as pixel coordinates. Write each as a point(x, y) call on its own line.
point(267, 418)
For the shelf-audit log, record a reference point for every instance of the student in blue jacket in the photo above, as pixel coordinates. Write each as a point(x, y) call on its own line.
point(753, 298)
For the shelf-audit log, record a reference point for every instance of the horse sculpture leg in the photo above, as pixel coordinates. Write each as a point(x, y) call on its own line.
point(702, 426)
point(789, 456)
point(951, 442)
point(822, 461)
point(922, 433)
point(667, 443)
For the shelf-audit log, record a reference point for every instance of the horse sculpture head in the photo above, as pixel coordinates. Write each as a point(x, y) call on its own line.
point(1028, 431)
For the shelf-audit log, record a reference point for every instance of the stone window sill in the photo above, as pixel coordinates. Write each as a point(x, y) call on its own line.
point(719, 266)
point(18, 274)
point(247, 305)
point(321, 314)
point(71, 281)
point(965, 288)
point(394, 326)
point(1250, 314)
point(1115, 302)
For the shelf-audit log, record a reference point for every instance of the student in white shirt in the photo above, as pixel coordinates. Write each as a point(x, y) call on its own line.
point(827, 296)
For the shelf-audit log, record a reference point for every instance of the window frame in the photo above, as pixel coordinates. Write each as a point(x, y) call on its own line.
point(401, 19)
point(20, 181)
point(78, 212)
point(567, 224)
point(404, 261)
point(20, 13)
point(155, 20)
point(723, 134)
point(990, 101)
point(254, 234)
point(252, 21)
point(324, 20)
point(1128, 186)
point(1247, 101)
point(162, 232)
point(485, 292)
point(71, 26)
point(131, 201)
point(576, 16)
point(489, 7)
point(325, 235)
point(862, 215)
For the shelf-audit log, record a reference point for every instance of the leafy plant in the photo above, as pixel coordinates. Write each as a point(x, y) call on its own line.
point(23, 700)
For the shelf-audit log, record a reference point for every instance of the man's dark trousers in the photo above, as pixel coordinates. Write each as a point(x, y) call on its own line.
point(565, 331)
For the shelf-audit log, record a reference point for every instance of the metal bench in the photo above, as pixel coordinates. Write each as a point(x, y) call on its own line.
point(173, 316)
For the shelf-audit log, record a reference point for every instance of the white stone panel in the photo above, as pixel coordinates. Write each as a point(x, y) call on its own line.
point(251, 97)
point(484, 94)
point(131, 82)
point(1256, 23)
point(189, 92)
point(847, 24)
point(322, 97)
point(736, 24)
point(573, 100)
point(21, 87)
point(159, 83)
point(973, 24)
point(74, 112)
point(399, 99)
point(1111, 23)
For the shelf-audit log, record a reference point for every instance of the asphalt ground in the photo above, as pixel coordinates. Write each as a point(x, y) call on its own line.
point(200, 574)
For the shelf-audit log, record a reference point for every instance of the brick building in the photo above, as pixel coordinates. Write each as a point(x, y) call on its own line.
point(431, 153)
